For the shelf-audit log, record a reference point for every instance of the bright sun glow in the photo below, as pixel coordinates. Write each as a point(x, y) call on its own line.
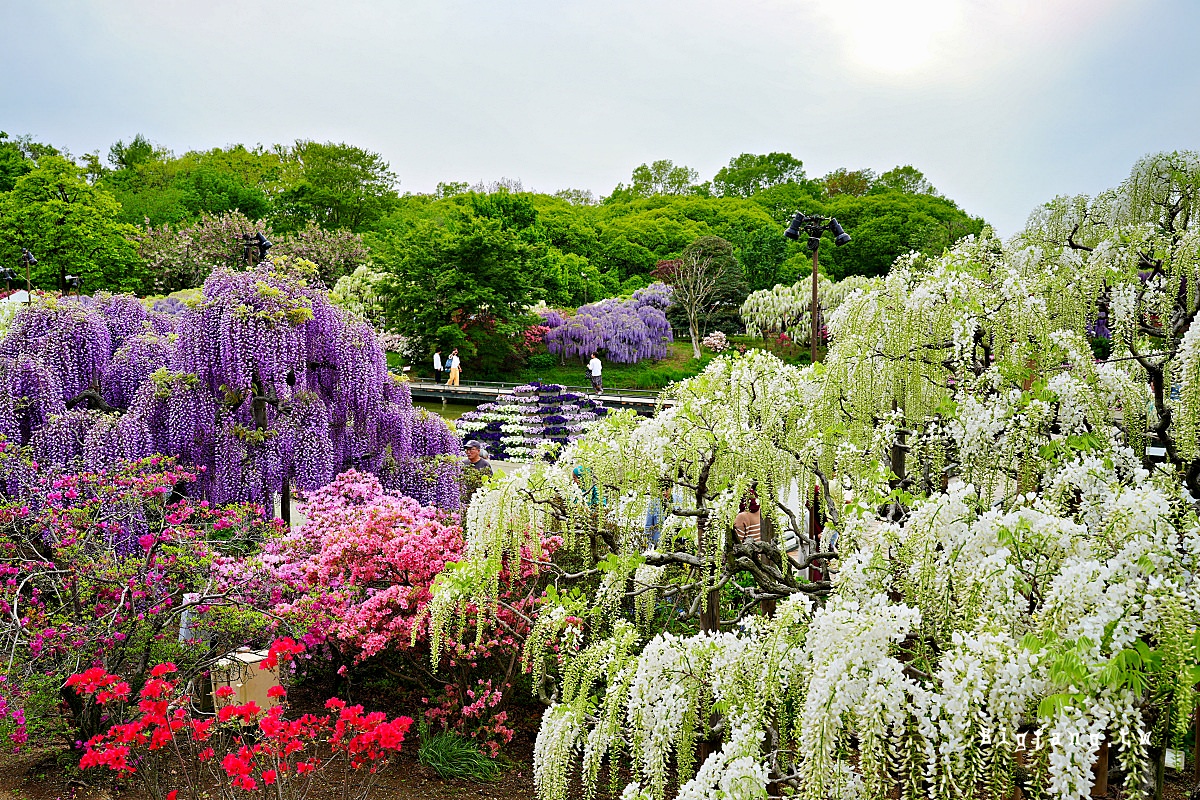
point(895, 36)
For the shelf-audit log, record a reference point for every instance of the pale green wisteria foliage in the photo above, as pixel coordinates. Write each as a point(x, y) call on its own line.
point(789, 308)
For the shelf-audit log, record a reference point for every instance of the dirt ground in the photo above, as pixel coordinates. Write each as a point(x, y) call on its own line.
point(38, 775)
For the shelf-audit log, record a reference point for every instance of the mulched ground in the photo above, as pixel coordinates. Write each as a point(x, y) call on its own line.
point(40, 775)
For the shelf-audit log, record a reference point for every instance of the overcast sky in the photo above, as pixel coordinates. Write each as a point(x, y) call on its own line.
point(1002, 103)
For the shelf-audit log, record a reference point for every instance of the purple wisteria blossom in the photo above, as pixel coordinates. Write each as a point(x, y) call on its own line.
point(624, 331)
point(257, 382)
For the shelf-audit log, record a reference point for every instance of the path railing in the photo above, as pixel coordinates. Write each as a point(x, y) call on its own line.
point(644, 401)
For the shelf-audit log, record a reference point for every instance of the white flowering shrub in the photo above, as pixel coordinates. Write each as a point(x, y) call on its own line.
point(1004, 585)
point(394, 342)
point(359, 292)
point(716, 341)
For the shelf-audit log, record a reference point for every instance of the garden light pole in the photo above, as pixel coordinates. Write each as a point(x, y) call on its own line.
point(258, 243)
point(814, 225)
point(28, 260)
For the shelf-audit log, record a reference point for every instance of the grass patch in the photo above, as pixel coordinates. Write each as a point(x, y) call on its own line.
point(649, 375)
point(677, 366)
point(453, 756)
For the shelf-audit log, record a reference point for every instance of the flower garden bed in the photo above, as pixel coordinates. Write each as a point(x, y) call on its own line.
point(530, 422)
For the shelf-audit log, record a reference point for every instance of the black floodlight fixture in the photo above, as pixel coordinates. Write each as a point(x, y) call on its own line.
point(8, 275)
point(263, 244)
point(793, 230)
point(840, 236)
point(73, 281)
point(814, 242)
point(27, 257)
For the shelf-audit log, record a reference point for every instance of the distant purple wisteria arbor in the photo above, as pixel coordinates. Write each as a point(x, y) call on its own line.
point(625, 331)
point(260, 383)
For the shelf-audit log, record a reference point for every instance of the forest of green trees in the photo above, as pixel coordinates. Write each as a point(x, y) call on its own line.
point(145, 220)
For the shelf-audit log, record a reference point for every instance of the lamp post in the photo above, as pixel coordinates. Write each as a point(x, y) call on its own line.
point(814, 225)
point(256, 242)
point(72, 283)
point(9, 276)
point(28, 260)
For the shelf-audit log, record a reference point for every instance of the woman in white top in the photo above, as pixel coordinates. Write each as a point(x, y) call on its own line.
point(453, 364)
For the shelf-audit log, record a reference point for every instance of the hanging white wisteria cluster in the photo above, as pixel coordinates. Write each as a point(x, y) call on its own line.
point(1006, 583)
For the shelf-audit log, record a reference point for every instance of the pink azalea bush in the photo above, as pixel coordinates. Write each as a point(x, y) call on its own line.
point(533, 338)
point(357, 577)
point(373, 560)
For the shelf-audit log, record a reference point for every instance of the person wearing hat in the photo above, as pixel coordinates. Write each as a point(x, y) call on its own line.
point(475, 458)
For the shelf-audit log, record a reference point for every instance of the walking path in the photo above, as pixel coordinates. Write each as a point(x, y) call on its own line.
point(640, 400)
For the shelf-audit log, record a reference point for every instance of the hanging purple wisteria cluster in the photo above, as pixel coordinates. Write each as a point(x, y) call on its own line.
point(257, 381)
point(624, 331)
point(525, 423)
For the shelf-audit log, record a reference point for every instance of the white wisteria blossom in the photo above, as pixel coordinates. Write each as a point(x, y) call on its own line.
point(1005, 584)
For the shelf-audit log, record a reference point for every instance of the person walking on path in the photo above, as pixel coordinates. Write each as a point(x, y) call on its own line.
point(455, 367)
point(437, 365)
point(594, 369)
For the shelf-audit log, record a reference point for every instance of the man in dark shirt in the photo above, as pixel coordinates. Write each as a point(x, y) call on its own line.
point(474, 458)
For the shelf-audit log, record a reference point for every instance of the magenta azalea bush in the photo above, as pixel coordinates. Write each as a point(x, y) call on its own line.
point(357, 577)
point(113, 570)
point(110, 569)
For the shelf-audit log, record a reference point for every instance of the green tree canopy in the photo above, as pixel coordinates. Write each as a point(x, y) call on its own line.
point(749, 174)
point(852, 182)
point(158, 187)
point(18, 156)
point(139, 151)
point(463, 281)
point(660, 177)
point(71, 227)
point(907, 179)
point(888, 225)
point(334, 185)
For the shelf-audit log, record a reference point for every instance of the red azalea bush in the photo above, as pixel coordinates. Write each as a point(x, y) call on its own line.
point(368, 558)
point(163, 743)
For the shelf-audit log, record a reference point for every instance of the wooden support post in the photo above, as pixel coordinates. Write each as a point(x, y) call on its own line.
point(285, 502)
point(1196, 747)
point(1159, 766)
point(1100, 771)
